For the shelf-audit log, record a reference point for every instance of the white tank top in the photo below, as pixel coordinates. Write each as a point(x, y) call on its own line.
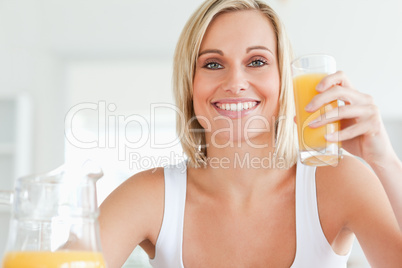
point(312, 247)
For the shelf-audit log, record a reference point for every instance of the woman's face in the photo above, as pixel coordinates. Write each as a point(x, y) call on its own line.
point(237, 81)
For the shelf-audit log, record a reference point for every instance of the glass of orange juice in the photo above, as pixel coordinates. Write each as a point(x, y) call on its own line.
point(314, 149)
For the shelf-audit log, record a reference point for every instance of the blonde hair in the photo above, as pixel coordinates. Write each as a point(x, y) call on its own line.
point(187, 49)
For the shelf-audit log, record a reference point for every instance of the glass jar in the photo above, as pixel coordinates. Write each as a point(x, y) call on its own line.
point(54, 220)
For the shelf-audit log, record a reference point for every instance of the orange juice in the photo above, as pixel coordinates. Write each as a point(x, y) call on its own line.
point(311, 139)
point(59, 259)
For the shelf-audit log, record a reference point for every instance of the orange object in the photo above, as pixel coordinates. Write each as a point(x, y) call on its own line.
point(311, 139)
point(59, 259)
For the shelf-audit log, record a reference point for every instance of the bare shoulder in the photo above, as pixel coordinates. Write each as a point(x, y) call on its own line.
point(131, 214)
point(146, 187)
point(350, 185)
point(146, 184)
point(348, 167)
point(350, 174)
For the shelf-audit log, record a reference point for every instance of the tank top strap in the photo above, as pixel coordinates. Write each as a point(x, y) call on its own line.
point(168, 249)
point(312, 247)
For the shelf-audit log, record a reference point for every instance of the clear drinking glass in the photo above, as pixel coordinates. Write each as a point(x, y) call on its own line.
point(314, 149)
point(54, 220)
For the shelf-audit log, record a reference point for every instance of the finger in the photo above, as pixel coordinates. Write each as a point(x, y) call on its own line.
point(348, 95)
point(338, 78)
point(353, 131)
point(358, 112)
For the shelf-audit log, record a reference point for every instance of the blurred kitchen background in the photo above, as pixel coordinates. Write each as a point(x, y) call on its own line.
point(92, 79)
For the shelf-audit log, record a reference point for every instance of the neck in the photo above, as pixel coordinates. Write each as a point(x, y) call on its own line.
point(243, 156)
point(244, 167)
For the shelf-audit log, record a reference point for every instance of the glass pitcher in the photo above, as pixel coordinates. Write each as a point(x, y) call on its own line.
point(54, 221)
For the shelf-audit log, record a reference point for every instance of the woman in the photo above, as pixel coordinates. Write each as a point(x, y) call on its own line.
point(243, 201)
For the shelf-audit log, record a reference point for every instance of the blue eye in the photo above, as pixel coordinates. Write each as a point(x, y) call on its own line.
point(257, 63)
point(213, 66)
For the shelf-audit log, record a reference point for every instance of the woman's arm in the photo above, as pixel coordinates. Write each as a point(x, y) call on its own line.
point(389, 171)
point(131, 214)
point(352, 195)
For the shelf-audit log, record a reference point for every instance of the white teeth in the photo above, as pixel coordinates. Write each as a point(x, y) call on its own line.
point(240, 106)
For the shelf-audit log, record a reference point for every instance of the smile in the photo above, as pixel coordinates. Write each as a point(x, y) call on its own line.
point(239, 106)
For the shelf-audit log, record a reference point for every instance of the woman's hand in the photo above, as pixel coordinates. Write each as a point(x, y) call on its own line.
point(362, 131)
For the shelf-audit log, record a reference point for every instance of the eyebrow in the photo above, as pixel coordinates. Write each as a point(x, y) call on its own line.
point(220, 52)
point(259, 47)
point(217, 51)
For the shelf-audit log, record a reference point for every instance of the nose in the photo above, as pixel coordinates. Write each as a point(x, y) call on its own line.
point(235, 81)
